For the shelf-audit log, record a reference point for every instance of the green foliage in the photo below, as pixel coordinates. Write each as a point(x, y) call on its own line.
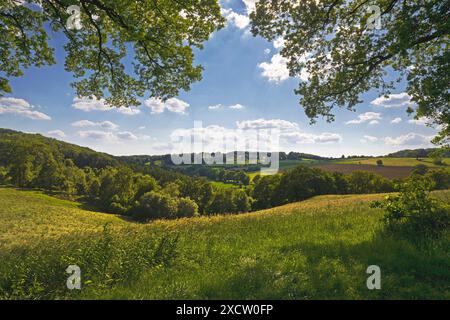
point(154, 205)
point(315, 249)
point(338, 36)
point(368, 182)
point(3, 175)
point(420, 169)
point(303, 182)
point(158, 37)
point(437, 156)
point(186, 208)
point(414, 213)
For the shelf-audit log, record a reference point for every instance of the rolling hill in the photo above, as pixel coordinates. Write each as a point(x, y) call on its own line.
point(319, 248)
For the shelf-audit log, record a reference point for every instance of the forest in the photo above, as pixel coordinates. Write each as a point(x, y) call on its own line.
point(146, 191)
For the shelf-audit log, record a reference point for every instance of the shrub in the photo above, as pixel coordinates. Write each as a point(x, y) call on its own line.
point(360, 182)
point(186, 208)
point(414, 213)
point(420, 169)
point(380, 163)
point(154, 205)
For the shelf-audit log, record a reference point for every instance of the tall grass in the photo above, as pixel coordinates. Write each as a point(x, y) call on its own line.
point(315, 249)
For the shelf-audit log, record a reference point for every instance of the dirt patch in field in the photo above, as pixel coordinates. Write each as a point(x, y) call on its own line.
point(391, 172)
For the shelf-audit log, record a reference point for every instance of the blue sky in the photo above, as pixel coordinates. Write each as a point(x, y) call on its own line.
point(245, 85)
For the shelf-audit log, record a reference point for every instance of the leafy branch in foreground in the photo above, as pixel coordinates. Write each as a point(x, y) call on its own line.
point(332, 41)
point(122, 49)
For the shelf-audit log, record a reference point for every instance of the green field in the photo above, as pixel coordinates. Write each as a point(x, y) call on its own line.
point(319, 248)
point(406, 162)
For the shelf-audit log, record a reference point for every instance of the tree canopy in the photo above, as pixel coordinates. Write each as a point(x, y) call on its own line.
point(338, 44)
point(116, 49)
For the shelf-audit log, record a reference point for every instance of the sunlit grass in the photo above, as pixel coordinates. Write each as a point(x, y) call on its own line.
point(319, 248)
point(407, 162)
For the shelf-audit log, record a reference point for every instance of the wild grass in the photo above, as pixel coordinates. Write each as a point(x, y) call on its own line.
point(315, 249)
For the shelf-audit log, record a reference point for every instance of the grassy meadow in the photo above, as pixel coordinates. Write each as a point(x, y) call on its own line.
point(319, 248)
point(397, 162)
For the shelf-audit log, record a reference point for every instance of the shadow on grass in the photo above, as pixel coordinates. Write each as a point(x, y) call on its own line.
point(338, 271)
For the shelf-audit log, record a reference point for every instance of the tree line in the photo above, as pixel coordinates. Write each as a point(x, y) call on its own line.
point(146, 191)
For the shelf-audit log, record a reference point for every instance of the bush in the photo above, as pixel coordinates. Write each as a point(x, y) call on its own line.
point(186, 208)
point(414, 213)
point(154, 205)
point(380, 163)
point(420, 169)
point(360, 182)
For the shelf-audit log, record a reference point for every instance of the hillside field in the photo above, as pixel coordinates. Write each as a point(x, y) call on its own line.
point(389, 161)
point(319, 248)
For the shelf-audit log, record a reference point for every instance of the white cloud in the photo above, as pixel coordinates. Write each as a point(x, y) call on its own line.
point(393, 100)
point(373, 122)
point(97, 135)
point(276, 70)
point(87, 105)
point(302, 137)
point(126, 135)
point(250, 5)
point(371, 117)
point(128, 111)
point(57, 133)
point(367, 139)
point(396, 120)
point(410, 139)
point(175, 105)
point(20, 107)
point(424, 121)
point(110, 136)
point(87, 123)
point(278, 43)
point(236, 106)
point(266, 51)
point(256, 134)
point(239, 20)
point(282, 125)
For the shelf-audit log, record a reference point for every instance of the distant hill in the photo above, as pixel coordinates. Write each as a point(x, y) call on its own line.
point(415, 153)
point(11, 141)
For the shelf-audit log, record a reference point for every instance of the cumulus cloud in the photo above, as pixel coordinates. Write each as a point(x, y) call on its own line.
point(276, 70)
point(396, 120)
point(297, 137)
point(239, 20)
point(368, 138)
point(393, 100)
point(57, 134)
point(278, 43)
point(371, 117)
point(250, 135)
point(174, 105)
point(424, 121)
point(236, 106)
point(282, 125)
point(109, 136)
point(20, 107)
point(126, 135)
point(410, 139)
point(87, 105)
point(87, 123)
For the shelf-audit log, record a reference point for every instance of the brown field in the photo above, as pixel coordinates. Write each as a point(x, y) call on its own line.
point(391, 172)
